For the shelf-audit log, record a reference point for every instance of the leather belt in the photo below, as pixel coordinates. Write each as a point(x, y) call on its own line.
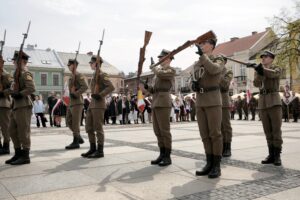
point(224, 91)
point(209, 89)
point(161, 90)
point(267, 91)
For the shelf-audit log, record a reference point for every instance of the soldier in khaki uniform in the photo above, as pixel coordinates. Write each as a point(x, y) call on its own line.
point(95, 113)
point(208, 73)
point(20, 119)
point(161, 108)
point(74, 111)
point(5, 107)
point(267, 78)
point(226, 129)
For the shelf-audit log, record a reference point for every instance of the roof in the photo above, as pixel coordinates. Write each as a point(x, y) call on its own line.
point(84, 66)
point(38, 57)
point(238, 44)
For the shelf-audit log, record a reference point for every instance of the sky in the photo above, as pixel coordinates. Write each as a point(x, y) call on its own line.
point(61, 24)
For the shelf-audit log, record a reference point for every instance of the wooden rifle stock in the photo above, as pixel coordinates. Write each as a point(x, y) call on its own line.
point(200, 39)
point(98, 65)
point(234, 60)
point(142, 58)
point(19, 62)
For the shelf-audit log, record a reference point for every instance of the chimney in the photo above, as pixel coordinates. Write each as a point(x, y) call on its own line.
point(268, 28)
point(90, 53)
point(233, 39)
point(254, 32)
point(30, 47)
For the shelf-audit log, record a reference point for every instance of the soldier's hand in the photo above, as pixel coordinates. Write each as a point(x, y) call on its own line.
point(251, 65)
point(73, 95)
point(99, 60)
point(199, 50)
point(16, 95)
point(2, 94)
point(96, 96)
point(259, 69)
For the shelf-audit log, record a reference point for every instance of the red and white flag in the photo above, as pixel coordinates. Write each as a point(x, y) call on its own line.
point(66, 94)
point(248, 92)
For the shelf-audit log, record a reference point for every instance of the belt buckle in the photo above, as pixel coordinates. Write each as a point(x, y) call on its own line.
point(201, 90)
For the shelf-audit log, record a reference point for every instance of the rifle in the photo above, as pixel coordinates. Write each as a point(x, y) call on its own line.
point(234, 60)
point(2, 42)
point(142, 58)
point(200, 39)
point(19, 61)
point(98, 65)
point(73, 88)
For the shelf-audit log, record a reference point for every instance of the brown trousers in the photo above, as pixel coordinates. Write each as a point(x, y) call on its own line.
point(4, 122)
point(94, 123)
point(19, 127)
point(209, 122)
point(161, 126)
point(226, 129)
point(272, 119)
point(74, 118)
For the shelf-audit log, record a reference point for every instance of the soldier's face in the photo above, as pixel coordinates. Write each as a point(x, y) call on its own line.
point(266, 60)
point(93, 66)
point(206, 47)
point(71, 67)
point(166, 63)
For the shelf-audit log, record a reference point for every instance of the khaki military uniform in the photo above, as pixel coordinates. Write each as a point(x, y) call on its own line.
point(226, 129)
point(96, 110)
point(208, 72)
point(20, 120)
point(269, 104)
point(5, 105)
point(161, 105)
point(75, 108)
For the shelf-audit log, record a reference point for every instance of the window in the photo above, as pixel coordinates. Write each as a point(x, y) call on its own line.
point(55, 80)
point(43, 79)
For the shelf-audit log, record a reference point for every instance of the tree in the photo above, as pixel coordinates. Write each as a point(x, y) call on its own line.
point(287, 43)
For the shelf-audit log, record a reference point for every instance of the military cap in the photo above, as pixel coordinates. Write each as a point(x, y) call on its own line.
point(24, 56)
point(72, 62)
point(212, 41)
point(268, 53)
point(93, 59)
point(163, 53)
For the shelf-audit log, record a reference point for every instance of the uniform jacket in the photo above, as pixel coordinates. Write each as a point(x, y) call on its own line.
point(26, 88)
point(208, 72)
point(160, 90)
point(80, 88)
point(269, 81)
point(105, 88)
point(6, 81)
point(226, 78)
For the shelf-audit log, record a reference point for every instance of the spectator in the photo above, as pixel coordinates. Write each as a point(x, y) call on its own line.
point(38, 109)
point(295, 107)
point(51, 102)
point(59, 110)
point(113, 110)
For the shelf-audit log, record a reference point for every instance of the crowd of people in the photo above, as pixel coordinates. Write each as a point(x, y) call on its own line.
point(122, 109)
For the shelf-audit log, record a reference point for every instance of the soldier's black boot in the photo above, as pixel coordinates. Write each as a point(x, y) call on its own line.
point(18, 153)
point(277, 159)
point(81, 141)
point(160, 157)
point(166, 159)
point(270, 158)
point(74, 144)
point(98, 153)
point(0, 144)
point(90, 151)
point(5, 149)
point(227, 151)
point(215, 171)
point(206, 169)
point(23, 159)
point(224, 147)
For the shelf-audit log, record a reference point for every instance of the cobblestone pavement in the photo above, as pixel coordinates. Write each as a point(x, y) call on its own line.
point(125, 172)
